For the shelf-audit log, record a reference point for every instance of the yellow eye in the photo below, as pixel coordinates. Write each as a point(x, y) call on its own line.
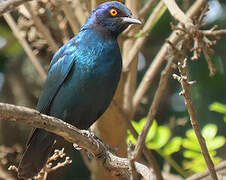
point(113, 12)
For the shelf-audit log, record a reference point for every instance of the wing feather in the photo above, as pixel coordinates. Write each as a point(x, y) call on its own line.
point(57, 74)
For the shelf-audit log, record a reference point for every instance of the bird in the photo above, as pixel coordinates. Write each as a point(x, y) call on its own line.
point(82, 79)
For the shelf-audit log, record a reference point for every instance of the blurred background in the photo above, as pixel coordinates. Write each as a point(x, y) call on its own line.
point(21, 83)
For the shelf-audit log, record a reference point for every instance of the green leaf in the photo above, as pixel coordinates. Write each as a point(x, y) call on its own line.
point(218, 107)
point(191, 135)
point(161, 137)
point(152, 131)
point(209, 131)
point(192, 145)
point(198, 164)
point(172, 146)
point(195, 155)
point(191, 154)
point(216, 143)
point(130, 138)
point(136, 126)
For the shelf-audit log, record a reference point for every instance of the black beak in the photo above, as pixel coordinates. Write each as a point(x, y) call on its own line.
point(130, 20)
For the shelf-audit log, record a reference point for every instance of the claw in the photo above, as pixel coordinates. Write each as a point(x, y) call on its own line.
point(76, 147)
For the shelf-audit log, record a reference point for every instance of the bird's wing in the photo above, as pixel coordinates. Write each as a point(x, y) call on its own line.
point(60, 68)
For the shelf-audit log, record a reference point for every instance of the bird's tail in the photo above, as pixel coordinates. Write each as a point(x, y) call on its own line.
point(36, 154)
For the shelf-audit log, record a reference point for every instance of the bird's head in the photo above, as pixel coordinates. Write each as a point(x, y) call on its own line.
point(112, 16)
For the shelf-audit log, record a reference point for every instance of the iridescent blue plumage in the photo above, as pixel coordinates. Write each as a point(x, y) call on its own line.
point(81, 81)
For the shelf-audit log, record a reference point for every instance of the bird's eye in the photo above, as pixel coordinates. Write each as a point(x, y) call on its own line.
point(113, 12)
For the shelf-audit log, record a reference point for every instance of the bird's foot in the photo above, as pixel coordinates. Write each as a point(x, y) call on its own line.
point(96, 140)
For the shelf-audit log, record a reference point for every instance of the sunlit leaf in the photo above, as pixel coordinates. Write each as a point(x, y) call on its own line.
point(218, 107)
point(161, 137)
point(216, 143)
point(198, 164)
point(136, 126)
point(172, 146)
point(191, 154)
point(192, 145)
point(130, 138)
point(209, 131)
point(151, 132)
point(191, 135)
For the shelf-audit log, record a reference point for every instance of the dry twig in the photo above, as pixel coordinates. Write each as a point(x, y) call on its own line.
point(185, 83)
point(9, 5)
point(178, 14)
point(160, 57)
point(146, 8)
point(138, 44)
point(153, 108)
point(27, 48)
point(75, 26)
point(42, 28)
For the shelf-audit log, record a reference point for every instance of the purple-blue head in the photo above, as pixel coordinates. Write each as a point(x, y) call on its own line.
point(111, 16)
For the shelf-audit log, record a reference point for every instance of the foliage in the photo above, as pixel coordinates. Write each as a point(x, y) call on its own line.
point(218, 107)
point(192, 148)
point(159, 139)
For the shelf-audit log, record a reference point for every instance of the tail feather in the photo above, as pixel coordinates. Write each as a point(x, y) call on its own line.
point(36, 154)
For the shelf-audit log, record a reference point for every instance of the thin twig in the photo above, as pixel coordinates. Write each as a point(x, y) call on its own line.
point(178, 14)
point(81, 13)
point(147, 153)
point(153, 108)
point(138, 44)
point(214, 33)
point(131, 164)
point(131, 76)
point(184, 80)
point(146, 8)
point(211, 66)
point(70, 133)
point(42, 28)
point(25, 45)
point(9, 5)
point(160, 57)
point(75, 26)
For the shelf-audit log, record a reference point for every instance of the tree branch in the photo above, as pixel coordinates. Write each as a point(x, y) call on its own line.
point(9, 5)
point(82, 138)
point(160, 57)
point(146, 8)
point(178, 14)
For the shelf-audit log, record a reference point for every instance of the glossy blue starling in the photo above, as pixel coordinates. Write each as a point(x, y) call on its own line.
point(81, 81)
